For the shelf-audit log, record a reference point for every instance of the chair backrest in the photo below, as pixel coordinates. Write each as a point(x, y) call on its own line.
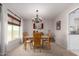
point(50, 36)
point(24, 35)
point(37, 39)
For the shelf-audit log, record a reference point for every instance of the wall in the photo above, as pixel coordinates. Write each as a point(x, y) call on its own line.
point(15, 43)
point(4, 45)
point(3, 29)
point(0, 28)
point(62, 36)
point(50, 24)
point(28, 26)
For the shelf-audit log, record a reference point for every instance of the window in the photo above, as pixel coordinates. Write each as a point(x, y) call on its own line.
point(13, 28)
point(16, 32)
point(9, 32)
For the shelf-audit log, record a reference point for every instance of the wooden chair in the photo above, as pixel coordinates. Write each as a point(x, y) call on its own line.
point(25, 39)
point(47, 43)
point(37, 40)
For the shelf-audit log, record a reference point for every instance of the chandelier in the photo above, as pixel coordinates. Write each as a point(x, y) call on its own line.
point(37, 18)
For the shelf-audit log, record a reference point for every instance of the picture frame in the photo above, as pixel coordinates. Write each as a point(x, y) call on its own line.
point(58, 25)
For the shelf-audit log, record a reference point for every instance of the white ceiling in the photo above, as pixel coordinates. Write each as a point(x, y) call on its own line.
point(46, 10)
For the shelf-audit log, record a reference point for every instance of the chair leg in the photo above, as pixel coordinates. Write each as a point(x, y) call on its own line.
point(33, 48)
point(40, 49)
point(25, 45)
point(49, 45)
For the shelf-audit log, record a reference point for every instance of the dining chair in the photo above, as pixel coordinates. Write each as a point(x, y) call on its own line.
point(37, 40)
point(47, 42)
point(25, 39)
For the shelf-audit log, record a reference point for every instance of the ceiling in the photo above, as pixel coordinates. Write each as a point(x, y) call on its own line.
point(46, 10)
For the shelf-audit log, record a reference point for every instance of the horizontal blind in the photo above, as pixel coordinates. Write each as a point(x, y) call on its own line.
point(13, 20)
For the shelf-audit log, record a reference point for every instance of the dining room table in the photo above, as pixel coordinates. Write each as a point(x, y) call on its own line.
point(43, 38)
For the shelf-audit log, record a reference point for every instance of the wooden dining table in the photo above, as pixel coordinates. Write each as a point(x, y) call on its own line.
point(43, 38)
